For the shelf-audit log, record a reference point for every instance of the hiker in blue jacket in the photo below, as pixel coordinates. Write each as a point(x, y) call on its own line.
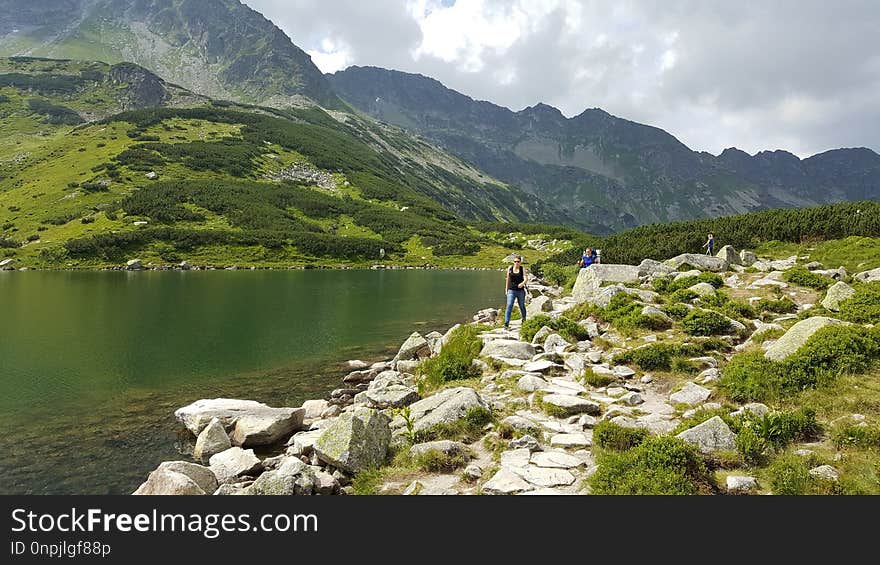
point(710, 243)
point(588, 258)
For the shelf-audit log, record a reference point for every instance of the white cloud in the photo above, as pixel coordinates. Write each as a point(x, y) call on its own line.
point(796, 74)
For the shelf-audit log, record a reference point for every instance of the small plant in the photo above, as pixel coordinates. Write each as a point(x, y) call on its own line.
point(705, 322)
point(784, 305)
point(864, 306)
point(654, 357)
point(676, 311)
point(609, 435)
point(597, 379)
point(851, 435)
point(455, 360)
point(406, 414)
point(789, 476)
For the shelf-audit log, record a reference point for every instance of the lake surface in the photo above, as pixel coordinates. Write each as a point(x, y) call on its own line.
point(93, 364)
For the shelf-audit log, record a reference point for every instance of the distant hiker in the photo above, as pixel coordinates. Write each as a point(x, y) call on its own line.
point(588, 258)
point(515, 289)
point(710, 243)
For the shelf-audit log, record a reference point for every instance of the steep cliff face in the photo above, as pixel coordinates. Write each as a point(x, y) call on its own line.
point(612, 171)
point(219, 48)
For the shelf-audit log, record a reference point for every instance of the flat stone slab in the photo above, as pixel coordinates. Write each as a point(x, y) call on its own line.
point(690, 394)
point(555, 460)
point(573, 386)
point(545, 477)
point(506, 481)
point(516, 458)
point(509, 348)
point(540, 366)
point(572, 405)
point(571, 440)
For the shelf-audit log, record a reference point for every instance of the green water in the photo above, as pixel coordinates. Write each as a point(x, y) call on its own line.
point(93, 364)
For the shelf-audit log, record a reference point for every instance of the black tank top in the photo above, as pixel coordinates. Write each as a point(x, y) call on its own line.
point(515, 278)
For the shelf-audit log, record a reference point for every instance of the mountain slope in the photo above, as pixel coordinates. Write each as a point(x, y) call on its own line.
point(218, 48)
point(612, 171)
point(179, 176)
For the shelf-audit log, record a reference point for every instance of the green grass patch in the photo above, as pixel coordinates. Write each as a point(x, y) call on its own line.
point(705, 323)
point(801, 276)
point(566, 327)
point(466, 430)
point(609, 435)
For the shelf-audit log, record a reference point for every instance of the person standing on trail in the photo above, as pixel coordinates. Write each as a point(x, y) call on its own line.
point(515, 289)
point(710, 243)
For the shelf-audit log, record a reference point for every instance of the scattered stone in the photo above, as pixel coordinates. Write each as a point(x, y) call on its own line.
point(541, 335)
point(415, 347)
point(445, 446)
point(234, 462)
point(700, 261)
point(837, 293)
point(556, 343)
point(473, 471)
point(197, 415)
point(570, 440)
point(740, 485)
point(586, 421)
point(520, 424)
point(179, 478)
point(356, 441)
point(709, 376)
point(413, 489)
point(652, 267)
point(211, 441)
point(729, 254)
point(314, 408)
point(445, 407)
point(826, 472)
point(797, 336)
point(545, 476)
point(868, 276)
point(526, 441)
point(711, 435)
point(690, 394)
point(654, 312)
point(623, 372)
point(686, 274)
point(647, 379)
point(747, 258)
point(292, 477)
point(538, 305)
point(265, 427)
point(134, 265)
point(540, 366)
point(631, 399)
point(509, 348)
point(531, 383)
point(506, 481)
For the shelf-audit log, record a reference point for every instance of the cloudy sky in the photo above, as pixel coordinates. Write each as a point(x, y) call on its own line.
point(801, 75)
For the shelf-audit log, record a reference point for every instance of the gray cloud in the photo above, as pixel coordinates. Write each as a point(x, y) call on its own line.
point(799, 75)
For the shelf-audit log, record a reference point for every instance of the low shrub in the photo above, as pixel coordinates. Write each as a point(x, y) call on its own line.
point(830, 352)
point(680, 365)
point(660, 465)
point(682, 295)
point(686, 282)
point(803, 277)
point(467, 429)
point(566, 327)
point(609, 435)
point(705, 322)
point(559, 275)
point(435, 461)
point(676, 311)
point(864, 306)
point(784, 305)
point(653, 357)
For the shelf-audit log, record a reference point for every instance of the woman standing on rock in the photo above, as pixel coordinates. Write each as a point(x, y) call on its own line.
point(515, 287)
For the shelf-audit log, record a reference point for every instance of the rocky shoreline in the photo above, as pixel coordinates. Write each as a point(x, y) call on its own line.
point(544, 405)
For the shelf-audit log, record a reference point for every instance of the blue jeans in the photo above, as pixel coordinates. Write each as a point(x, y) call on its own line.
point(518, 295)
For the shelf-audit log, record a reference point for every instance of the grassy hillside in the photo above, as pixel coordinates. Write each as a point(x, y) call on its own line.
point(217, 183)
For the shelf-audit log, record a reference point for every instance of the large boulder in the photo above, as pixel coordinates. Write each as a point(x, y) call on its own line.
point(797, 336)
point(652, 267)
point(837, 293)
point(538, 305)
point(199, 414)
point(747, 258)
point(445, 407)
point(509, 348)
point(590, 279)
point(212, 440)
point(267, 426)
point(291, 477)
point(179, 478)
point(234, 462)
point(706, 262)
point(415, 347)
point(356, 441)
point(868, 276)
point(729, 254)
point(711, 435)
point(392, 396)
